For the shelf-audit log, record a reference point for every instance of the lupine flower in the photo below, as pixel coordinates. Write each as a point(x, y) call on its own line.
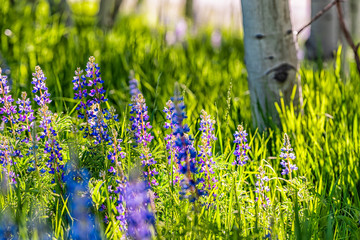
point(241, 146)
point(26, 116)
point(80, 85)
point(186, 152)
point(94, 80)
point(170, 140)
point(7, 110)
point(140, 127)
point(261, 188)
point(133, 85)
point(8, 228)
point(120, 191)
point(7, 160)
point(115, 155)
point(84, 225)
point(91, 96)
point(139, 218)
point(216, 39)
point(40, 87)
point(52, 147)
point(205, 154)
point(286, 157)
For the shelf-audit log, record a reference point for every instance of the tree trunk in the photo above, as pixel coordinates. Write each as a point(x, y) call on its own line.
point(270, 57)
point(108, 12)
point(325, 32)
point(63, 8)
point(355, 19)
point(189, 9)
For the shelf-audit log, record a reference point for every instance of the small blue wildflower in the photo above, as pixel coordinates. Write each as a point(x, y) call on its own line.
point(26, 116)
point(205, 154)
point(286, 157)
point(241, 146)
point(133, 85)
point(170, 140)
point(52, 147)
point(262, 189)
point(140, 127)
point(186, 154)
point(84, 225)
point(139, 218)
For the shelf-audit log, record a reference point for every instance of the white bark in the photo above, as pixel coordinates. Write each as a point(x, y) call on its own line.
point(270, 57)
point(325, 32)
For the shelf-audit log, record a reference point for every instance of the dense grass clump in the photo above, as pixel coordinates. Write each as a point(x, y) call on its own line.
point(170, 153)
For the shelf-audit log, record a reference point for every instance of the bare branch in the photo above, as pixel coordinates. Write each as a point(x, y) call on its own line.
point(318, 15)
point(347, 35)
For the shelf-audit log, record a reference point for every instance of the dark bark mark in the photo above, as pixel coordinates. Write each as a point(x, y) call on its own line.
point(259, 36)
point(281, 72)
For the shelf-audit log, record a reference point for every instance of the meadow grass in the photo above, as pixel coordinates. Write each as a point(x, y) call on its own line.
point(319, 201)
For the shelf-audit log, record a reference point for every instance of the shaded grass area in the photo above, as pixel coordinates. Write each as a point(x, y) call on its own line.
point(321, 201)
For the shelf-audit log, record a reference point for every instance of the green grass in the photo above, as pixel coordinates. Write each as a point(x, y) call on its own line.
point(320, 202)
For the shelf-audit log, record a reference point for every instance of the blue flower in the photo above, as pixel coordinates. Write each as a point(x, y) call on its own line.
point(140, 220)
point(140, 127)
point(286, 156)
point(241, 146)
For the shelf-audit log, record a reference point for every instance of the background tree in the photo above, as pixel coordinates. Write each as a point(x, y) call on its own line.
point(270, 57)
point(108, 11)
point(189, 9)
point(325, 32)
point(355, 18)
point(61, 7)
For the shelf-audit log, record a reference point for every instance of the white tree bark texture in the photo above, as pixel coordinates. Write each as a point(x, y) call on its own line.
point(270, 58)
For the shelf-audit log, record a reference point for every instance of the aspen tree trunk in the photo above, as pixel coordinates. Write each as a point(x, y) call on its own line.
point(355, 19)
point(189, 9)
point(270, 58)
point(63, 8)
point(107, 12)
point(325, 32)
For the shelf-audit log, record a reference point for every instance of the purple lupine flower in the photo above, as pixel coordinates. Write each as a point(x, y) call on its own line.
point(286, 157)
point(94, 80)
point(91, 96)
point(241, 146)
point(39, 87)
point(115, 155)
point(84, 225)
point(26, 116)
point(52, 147)
point(186, 152)
point(7, 110)
point(80, 85)
point(216, 39)
point(205, 153)
point(133, 85)
point(261, 188)
point(139, 218)
point(120, 191)
point(140, 127)
point(7, 161)
point(170, 140)
point(97, 124)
